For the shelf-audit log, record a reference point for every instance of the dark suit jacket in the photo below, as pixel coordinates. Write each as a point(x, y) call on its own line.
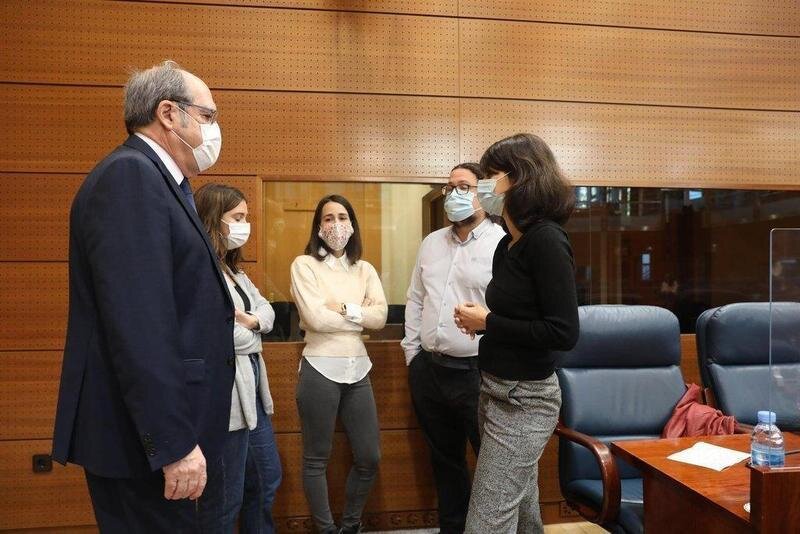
point(148, 363)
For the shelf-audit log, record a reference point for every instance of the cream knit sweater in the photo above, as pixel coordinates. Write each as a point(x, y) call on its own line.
point(316, 283)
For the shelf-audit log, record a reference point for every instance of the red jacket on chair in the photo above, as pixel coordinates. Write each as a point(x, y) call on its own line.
point(693, 418)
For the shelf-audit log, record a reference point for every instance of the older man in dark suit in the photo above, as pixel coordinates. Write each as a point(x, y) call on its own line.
point(148, 365)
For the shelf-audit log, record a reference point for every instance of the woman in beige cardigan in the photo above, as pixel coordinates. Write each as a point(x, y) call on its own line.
point(337, 295)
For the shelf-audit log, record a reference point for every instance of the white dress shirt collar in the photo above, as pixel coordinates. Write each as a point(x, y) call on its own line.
point(475, 233)
point(333, 262)
point(169, 163)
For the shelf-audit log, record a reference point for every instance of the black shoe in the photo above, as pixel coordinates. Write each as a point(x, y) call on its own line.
point(355, 529)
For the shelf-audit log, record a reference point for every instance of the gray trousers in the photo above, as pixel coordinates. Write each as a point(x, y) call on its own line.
point(319, 401)
point(517, 419)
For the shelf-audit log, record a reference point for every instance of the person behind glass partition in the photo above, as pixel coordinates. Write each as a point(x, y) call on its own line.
point(531, 311)
point(454, 264)
point(250, 471)
point(337, 295)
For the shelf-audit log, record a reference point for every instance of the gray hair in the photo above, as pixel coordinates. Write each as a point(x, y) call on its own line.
point(146, 88)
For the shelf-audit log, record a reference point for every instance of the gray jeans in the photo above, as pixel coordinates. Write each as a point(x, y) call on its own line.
point(319, 401)
point(517, 419)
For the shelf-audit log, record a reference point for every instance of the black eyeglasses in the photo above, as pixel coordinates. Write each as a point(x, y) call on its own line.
point(210, 115)
point(460, 189)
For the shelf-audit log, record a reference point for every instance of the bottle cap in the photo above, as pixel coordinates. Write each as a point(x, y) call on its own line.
point(766, 416)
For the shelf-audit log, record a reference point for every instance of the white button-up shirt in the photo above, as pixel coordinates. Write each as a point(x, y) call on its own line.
point(448, 272)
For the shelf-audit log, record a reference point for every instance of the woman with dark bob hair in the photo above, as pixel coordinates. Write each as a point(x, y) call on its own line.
point(533, 311)
point(337, 295)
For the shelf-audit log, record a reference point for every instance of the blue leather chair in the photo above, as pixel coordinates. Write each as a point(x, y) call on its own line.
point(621, 381)
point(733, 354)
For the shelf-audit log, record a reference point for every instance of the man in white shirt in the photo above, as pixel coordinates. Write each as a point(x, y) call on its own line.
point(454, 265)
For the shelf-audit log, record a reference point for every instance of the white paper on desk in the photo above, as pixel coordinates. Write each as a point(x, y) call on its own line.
point(710, 456)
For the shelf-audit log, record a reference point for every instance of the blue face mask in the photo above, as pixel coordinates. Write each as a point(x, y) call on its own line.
point(459, 207)
point(491, 202)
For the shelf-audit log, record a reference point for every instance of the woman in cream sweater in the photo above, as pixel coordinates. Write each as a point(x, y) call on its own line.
point(337, 295)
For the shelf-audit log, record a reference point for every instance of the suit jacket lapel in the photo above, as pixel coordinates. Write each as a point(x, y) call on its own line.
point(137, 144)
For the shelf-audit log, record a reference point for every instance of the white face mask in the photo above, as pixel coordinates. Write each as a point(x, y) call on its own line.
point(207, 153)
point(238, 234)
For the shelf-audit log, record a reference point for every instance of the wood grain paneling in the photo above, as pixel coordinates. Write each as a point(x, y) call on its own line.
point(250, 48)
point(404, 477)
point(647, 146)
point(31, 500)
point(689, 364)
point(776, 17)
point(623, 65)
point(33, 306)
point(418, 7)
point(28, 391)
point(41, 202)
point(263, 133)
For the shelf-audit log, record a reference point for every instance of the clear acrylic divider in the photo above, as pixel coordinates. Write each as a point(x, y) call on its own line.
point(784, 328)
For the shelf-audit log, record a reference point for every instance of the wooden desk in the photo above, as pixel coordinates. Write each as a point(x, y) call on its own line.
point(680, 497)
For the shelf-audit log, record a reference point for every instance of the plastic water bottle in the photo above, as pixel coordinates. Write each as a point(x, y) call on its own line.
point(766, 442)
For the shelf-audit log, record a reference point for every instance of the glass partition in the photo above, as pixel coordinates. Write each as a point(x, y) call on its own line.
point(393, 219)
point(784, 327)
point(684, 249)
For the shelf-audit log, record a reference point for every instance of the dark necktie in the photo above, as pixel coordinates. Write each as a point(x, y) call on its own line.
point(187, 192)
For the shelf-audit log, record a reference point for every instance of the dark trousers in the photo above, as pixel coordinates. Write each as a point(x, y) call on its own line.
point(446, 403)
point(319, 401)
point(137, 505)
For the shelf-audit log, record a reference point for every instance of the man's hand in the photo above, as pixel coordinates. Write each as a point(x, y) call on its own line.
point(187, 477)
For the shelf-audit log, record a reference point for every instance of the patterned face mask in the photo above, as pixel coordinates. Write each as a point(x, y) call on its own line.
point(336, 235)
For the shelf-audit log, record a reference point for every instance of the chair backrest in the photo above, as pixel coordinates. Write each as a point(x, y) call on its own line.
point(733, 343)
point(621, 381)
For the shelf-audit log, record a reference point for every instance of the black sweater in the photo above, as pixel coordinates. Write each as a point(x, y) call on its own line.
point(532, 303)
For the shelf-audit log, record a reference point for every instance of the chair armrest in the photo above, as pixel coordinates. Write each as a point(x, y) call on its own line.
point(612, 489)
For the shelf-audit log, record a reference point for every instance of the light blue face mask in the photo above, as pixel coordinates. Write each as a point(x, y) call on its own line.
point(491, 202)
point(459, 207)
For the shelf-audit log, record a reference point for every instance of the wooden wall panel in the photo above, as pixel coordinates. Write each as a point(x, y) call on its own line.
point(623, 65)
point(41, 202)
point(689, 364)
point(418, 7)
point(776, 17)
point(404, 477)
point(647, 146)
point(33, 306)
point(263, 133)
point(28, 391)
point(31, 500)
point(252, 48)
point(351, 135)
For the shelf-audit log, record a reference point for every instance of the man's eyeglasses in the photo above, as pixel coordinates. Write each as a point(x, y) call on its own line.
point(208, 114)
point(460, 189)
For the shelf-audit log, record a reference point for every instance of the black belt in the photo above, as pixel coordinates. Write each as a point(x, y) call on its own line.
point(453, 362)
